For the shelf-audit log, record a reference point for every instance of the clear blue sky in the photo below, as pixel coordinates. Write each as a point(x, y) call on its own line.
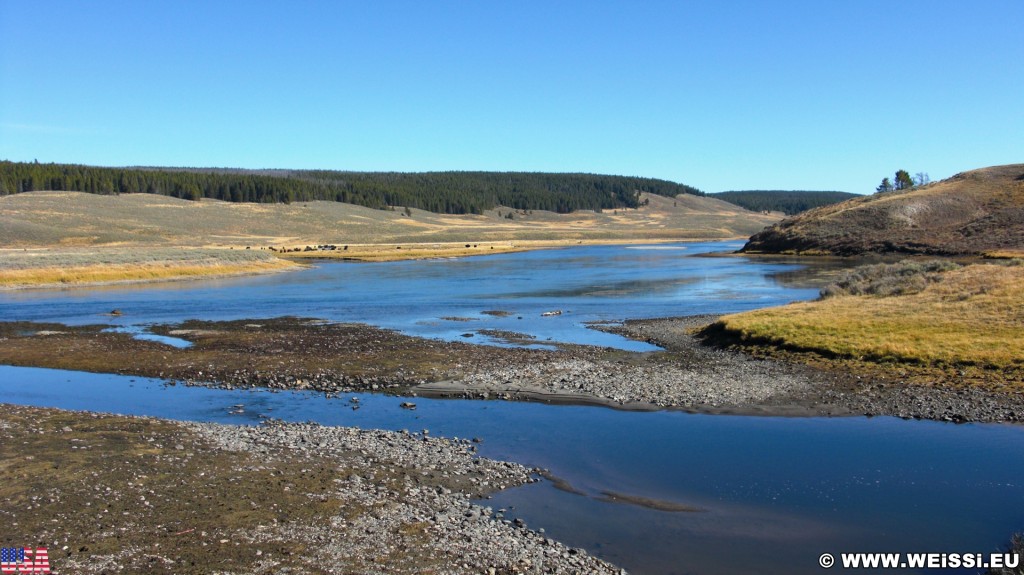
point(720, 95)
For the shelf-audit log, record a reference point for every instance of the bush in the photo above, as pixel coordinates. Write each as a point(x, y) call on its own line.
point(905, 277)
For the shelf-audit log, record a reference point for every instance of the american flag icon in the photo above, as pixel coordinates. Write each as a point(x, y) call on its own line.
point(24, 560)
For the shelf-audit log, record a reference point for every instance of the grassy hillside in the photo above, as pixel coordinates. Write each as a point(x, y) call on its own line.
point(785, 201)
point(46, 219)
point(976, 212)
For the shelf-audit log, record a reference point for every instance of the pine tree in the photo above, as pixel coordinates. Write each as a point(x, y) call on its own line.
point(903, 180)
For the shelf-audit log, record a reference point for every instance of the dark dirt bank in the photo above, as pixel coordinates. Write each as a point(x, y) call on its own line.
point(113, 494)
point(690, 374)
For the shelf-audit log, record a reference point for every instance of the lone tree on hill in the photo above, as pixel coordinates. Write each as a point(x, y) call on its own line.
point(902, 181)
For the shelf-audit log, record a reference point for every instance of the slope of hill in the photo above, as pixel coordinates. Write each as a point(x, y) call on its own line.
point(438, 192)
point(976, 212)
point(48, 219)
point(785, 201)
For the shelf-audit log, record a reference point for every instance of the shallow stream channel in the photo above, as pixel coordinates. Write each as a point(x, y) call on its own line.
point(655, 492)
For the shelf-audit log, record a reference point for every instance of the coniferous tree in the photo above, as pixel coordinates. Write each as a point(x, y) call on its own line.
point(903, 180)
point(447, 192)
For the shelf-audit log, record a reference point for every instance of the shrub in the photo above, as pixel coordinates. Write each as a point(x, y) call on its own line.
point(905, 277)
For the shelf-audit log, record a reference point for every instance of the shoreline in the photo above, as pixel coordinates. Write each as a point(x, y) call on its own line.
point(49, 268)
point(388, 252)
point(134, 493)
point(110, 492)
point(688, 375)
point(17, 273)
point(174, 278)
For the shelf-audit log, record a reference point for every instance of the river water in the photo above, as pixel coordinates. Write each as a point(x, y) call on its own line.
point(773, 493)
point(446, 298)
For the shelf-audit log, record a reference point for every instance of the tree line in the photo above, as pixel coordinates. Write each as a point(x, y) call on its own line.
point(439, 192)
point(789, 202)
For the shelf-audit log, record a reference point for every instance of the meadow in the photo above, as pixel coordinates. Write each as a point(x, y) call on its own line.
point(41, 267)
point(938, 315)
point(69, 238)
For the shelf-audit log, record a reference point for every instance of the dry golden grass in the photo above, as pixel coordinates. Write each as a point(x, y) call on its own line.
point(1004, 254)
point(974, 316)
point(127, 273)
point(81, 230)
point(39, 219)
point(413, 251)
point(395, 252)
point(45, 268)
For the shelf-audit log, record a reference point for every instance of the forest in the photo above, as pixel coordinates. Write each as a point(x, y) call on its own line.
point(789, 202)
point(440, 192)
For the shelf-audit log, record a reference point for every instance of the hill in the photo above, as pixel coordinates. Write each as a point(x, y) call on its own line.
point(972, 213)
point(438, 192)
point(49, 219)
point(789, 202)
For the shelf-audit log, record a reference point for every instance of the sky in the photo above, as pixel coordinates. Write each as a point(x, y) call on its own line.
point(720, 95)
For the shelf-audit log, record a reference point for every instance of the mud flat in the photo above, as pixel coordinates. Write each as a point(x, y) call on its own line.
point(126, 494)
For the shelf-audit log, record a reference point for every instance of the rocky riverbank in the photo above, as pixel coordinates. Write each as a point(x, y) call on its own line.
point(800, 383)
point(687, 375)
point(111, 494)
point(691, 373)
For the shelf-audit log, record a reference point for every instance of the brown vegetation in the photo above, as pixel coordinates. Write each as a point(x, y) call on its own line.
point(976, 212)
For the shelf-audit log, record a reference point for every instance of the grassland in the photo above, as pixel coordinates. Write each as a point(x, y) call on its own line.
point(72, 238)
point(968, 317)
point(45, 219)
point(77, 266)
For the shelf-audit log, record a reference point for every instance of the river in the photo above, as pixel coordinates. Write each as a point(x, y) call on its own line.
point(773, 493)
